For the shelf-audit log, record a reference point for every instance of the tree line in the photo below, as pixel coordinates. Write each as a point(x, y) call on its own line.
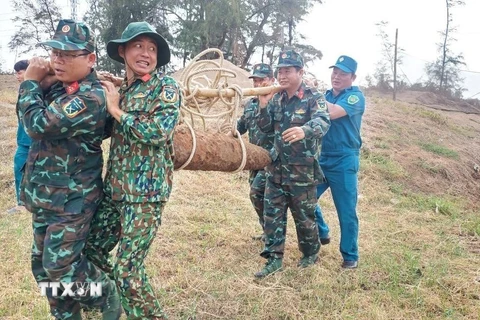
point(240, 28)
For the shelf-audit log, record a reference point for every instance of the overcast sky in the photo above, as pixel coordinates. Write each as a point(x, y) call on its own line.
point(348, 27)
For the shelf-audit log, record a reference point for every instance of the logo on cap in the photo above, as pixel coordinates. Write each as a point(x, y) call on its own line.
point(284, 55)
point(341, 59)
point(66, 28)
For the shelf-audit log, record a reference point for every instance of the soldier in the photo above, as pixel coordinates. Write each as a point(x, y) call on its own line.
point(262, 76)
point(140, 166)
point(23, 145)
point(340, 158)
point(298, 116)
point(62, 182)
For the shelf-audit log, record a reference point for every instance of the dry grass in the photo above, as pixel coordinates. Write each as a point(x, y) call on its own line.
point(416, 263)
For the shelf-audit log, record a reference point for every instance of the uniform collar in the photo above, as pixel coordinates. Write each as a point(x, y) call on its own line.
point(143, 79)
point(300, 93)
point(85, 83)
point(352, 88)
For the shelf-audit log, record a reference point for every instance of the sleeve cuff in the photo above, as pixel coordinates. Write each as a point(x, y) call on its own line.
point(308, 132)
point(30, 86)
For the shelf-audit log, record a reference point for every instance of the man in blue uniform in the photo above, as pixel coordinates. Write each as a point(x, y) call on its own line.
point(23, 144)
point(339, 157)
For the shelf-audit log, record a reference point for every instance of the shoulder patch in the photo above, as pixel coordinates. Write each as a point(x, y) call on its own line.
point(74, 107)
point(169, 94)
point(352, 99)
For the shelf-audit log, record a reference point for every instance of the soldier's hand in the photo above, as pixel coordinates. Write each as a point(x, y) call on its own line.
point(37, 69)
point(107, 76)
point(293, 134)
point(48, 81)
point(263, 100)
point(113, 99)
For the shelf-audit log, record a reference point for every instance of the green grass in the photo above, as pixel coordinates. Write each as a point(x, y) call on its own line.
point(419, 253)
point(432, 168)
point(382, 163)
point(443, 205)
point(432, 115)
point(439, 150)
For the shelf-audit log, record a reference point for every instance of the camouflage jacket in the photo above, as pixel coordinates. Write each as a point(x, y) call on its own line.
point(248, 122)
point(66, 124)
point(296, 163)
point(140, 164)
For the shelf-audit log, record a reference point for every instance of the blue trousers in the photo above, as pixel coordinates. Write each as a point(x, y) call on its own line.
point(19, 161)
point(341, 174)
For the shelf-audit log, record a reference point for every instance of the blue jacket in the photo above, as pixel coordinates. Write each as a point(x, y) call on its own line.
point(344, 133)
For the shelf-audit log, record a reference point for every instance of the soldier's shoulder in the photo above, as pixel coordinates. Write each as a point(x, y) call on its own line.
point(311, 89)
point(166, 80)
point(317, 94)
point(356, 90)
point(168, 89)
point(90, 93)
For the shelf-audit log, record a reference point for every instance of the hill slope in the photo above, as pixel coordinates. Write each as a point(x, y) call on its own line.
point(419, 233)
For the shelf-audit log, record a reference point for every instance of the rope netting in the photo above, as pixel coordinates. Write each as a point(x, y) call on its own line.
point(195, 106)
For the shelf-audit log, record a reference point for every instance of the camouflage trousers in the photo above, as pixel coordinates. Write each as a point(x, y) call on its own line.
point(301, 201)
point(257, 193)
point(133, 226)
point(58, 241)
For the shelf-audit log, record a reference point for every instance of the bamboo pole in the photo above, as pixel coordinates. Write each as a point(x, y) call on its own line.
point(210, 93)
point(228, 93)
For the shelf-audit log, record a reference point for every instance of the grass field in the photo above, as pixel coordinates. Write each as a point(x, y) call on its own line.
point(419, 234)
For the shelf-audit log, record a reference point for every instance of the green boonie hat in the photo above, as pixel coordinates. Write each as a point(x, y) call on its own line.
point(72, 36)
point(136, 29)
point(289, 58)
point(262, 70)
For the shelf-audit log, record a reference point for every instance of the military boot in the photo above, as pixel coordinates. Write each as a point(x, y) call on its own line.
point(112, 309)
point(307, 261)
point(273, 265)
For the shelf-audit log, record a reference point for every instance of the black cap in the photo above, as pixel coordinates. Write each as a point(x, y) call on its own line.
point(20, 65)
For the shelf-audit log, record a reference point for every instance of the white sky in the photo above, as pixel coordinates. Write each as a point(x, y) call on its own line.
point(348, 27)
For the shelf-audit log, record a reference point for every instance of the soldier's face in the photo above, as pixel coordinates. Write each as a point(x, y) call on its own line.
point(140, 55)
point(262, 82)
point(341, 79)
point(289, 78)
point(19, 75)
point(71, 66)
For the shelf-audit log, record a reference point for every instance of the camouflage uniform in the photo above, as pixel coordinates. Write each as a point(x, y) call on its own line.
point(62, 184)
point(137, 186)
point(248, 122)
point(294, 172)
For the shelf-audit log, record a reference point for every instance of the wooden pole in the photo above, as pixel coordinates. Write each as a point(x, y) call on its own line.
point(395, 67)
point(228, 93)
point(206, 92)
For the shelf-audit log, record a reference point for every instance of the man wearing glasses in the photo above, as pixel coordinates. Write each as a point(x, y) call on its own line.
point(62, 181)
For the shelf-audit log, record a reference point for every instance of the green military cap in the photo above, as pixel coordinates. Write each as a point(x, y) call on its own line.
point(136, 29)
point(71, 36)
point(290, 58)
point(262, 70)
